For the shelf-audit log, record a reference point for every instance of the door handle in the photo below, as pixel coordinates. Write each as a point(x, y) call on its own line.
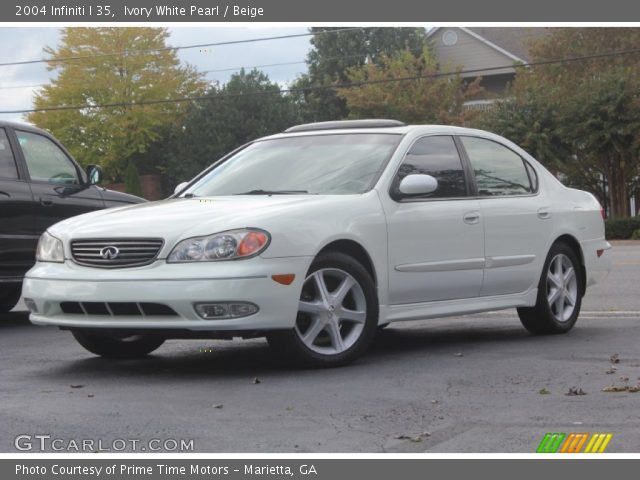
point(46, 202)
point(471, 217)
point(544, 213)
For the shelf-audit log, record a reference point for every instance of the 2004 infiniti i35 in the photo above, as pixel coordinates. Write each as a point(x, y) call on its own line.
point(321, 235)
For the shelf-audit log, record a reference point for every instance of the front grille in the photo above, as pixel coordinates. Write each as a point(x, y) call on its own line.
point(116, 253)
point(118, 309)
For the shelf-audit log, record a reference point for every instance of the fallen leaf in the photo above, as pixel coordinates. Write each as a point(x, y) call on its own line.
point(615, 388)
point(435, 402)
point(621, 388)
point(76, 386)
point(288, 409)
point(91, 395)
point(575, 391)
point(611, 371)
point(217, 405)
point(544, 391)
point(622, 378)
point(256, 381)
point(409, 437)
point(615, 358)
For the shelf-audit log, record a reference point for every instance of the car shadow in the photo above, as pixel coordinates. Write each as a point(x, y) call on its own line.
point(14, 319)
point(201, 358)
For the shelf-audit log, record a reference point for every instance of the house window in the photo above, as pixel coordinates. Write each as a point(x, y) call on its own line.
point(449, 38)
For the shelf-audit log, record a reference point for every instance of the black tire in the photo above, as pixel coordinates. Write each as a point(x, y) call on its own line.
point(9, 296)
point(542, 319)
point(109, 346)
point(289, 345)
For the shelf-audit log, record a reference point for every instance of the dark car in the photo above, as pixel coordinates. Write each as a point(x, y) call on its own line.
point(40, 184)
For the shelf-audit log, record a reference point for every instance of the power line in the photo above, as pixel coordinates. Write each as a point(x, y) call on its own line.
point(326, 87)
point(297, 62)
point(183, 47)
point(10, 87)
point(233, 69)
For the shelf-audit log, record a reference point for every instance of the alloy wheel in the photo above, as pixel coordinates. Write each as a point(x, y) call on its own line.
point(332, 311)
point(562, 287)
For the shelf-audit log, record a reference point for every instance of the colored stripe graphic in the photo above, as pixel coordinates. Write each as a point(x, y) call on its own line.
point(550, 443)
point(573, 442)
point(598, 443)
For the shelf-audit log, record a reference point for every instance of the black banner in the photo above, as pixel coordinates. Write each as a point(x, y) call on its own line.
point(325, 11)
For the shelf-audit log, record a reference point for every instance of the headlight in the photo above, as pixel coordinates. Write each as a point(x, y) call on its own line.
point(49, 249)
point(230, 245)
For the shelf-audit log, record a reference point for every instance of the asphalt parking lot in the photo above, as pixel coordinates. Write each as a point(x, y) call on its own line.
point(479, 383)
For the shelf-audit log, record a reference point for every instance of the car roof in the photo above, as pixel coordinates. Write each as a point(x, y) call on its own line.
point(352, 128)
point(23, 126)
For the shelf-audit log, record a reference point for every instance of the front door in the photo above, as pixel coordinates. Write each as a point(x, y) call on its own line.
point(436, 242)
point(17, 237)
point(58, 189)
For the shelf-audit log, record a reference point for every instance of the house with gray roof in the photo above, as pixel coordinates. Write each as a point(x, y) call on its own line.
point(486, 52)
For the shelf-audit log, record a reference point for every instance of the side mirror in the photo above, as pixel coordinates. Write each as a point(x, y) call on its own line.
point(418, 184)
point(94, 174)
point(180, 187)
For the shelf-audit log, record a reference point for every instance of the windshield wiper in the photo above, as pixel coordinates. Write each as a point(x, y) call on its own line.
point(272, 192)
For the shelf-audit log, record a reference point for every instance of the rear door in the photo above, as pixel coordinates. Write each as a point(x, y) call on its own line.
point(58, 187)
point(17, 236)
point(516, 220)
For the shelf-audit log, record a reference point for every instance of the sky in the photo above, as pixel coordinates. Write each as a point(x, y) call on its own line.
point(21, 43)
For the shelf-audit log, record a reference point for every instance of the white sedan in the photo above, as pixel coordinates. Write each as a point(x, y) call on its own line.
point(318, 236)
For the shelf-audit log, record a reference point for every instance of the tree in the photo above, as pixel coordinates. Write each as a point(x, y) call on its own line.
point(422, 97)
point(581, 117)
point(122, 66)
point(333, 54)
point(247, 107)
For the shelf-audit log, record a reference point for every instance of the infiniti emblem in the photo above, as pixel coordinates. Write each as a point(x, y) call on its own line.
point(110, 252)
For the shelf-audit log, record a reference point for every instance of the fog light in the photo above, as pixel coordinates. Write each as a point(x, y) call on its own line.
point(222, 310)
point(31, 305)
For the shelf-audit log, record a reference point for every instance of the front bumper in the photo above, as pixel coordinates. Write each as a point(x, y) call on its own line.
point(178, 286)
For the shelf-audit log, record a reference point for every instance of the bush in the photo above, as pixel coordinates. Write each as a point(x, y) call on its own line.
point(622, 228)
point(635, 235)
point(132, 181)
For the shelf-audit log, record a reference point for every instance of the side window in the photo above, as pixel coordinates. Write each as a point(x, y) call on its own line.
point(436, 156)
point(46, 162)
point(533, 176)
point(7, 161)
point(499, 170)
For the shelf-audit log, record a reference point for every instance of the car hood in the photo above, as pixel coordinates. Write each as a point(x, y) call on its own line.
point(180, 218)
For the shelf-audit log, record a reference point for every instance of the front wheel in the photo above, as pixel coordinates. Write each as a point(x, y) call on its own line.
point(110, 346)
point(559, 294)
point(337, 315)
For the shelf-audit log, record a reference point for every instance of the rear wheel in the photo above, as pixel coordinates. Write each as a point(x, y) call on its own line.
point(9, 296)
point(559, 294)
point(337, 315)
point(110, 346)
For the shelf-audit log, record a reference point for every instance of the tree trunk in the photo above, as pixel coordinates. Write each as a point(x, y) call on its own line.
point(618, 194)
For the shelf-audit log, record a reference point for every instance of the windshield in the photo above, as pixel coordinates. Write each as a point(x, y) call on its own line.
point(337, 164)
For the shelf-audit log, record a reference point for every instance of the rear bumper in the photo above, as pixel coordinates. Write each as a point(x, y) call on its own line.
point(179, 287)
point(597, 260)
